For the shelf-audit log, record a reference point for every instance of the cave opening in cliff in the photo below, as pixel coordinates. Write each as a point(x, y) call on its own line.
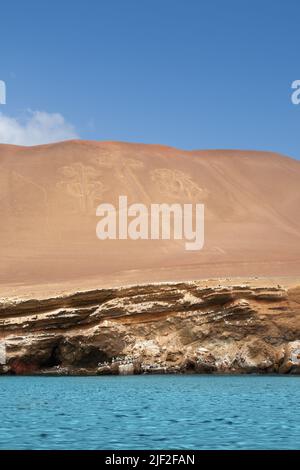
point(91, 356)
point(54, 359)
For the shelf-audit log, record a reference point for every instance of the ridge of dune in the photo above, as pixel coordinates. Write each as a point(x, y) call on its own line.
point(114, 143)
point(89, 145)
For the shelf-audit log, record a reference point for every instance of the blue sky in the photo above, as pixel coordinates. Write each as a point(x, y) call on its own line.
point(186, 73)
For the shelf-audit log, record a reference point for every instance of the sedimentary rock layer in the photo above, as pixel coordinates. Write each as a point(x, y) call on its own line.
point(170, 327)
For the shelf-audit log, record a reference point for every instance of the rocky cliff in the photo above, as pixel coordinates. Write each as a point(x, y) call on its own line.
point(167, 327)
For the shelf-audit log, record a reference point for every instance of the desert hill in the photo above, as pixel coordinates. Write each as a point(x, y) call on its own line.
point(49, 195)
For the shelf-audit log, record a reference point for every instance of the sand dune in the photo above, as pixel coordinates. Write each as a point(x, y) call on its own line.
point(49, 195)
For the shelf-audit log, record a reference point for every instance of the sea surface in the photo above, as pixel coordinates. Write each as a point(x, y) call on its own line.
point(150, 412)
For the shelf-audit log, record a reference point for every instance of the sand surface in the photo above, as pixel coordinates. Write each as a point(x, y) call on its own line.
point(49, 195)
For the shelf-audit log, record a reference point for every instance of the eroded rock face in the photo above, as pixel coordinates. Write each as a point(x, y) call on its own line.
point(162, 328)
point(291, 363)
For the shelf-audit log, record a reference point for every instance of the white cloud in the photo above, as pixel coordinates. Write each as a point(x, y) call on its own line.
point(38, 127)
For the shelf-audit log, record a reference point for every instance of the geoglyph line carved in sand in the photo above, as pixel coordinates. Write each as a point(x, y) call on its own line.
point(82, 183)
point(176, 184)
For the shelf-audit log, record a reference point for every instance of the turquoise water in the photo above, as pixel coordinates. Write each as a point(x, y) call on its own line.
point(150, 412)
